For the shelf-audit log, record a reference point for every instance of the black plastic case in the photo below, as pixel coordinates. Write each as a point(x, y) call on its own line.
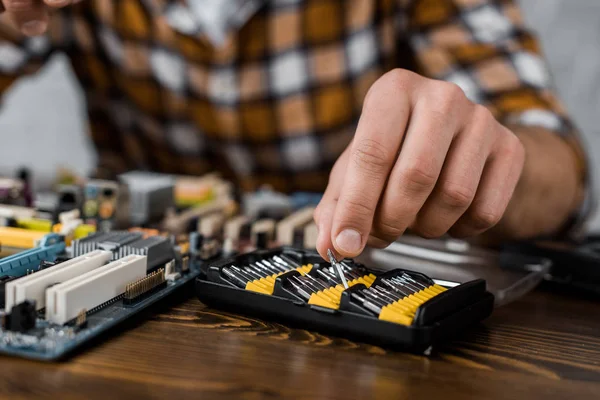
point(509, 275)
point(574, 265)
point(437, 320)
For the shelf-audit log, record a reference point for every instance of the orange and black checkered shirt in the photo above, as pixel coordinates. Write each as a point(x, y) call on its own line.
point(278, 101)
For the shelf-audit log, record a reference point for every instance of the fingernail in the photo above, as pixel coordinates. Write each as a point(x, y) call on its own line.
point(33, 28)
point(349, 241)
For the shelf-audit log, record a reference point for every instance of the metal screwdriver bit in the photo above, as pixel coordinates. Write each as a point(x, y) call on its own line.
point(243, 273)
point(266, 270)
point(410, 286)
point(337, 266)
point(236, 279)
point(384, 295)
point(395, 288)
point(287, 260)
point(274, 266)
point(388, 293)
point(299, 289)
point(317, 282)
point(256, 271)
point(366, 303)
point(418, 280)
point(326, 276)
point(374, 297)
point(307, 284)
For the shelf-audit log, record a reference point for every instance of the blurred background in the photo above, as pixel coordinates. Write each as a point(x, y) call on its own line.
point(42, 116)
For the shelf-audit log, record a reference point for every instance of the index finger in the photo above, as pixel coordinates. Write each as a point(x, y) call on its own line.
point(373, 153)
point(31, 16)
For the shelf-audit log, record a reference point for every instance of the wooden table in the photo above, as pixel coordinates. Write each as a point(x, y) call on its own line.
point(544, 346)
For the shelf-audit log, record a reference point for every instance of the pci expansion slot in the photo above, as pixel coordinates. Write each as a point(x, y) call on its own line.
point(33, 287)
point(67, 300)
point(20, 264)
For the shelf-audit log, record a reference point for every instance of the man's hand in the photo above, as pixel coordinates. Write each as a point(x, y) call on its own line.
point(31, 16)
point(423, 157)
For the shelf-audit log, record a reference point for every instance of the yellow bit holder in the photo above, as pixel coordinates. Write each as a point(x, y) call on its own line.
point(403, 311)
point(266, 285)
point(331, 297)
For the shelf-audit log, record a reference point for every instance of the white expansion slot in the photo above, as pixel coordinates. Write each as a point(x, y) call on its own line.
point(33, 287)
point(92, 289)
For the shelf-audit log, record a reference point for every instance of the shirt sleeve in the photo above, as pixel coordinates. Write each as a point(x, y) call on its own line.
point(485, 48)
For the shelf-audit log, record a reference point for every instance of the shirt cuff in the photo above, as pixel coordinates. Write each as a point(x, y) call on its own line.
point(541, 118)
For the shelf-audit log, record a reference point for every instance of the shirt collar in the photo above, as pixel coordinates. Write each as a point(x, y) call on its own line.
point(215, 19)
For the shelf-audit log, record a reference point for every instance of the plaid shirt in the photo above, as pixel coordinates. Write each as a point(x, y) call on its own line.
point(278, 101)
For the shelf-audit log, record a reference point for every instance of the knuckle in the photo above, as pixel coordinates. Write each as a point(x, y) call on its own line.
point(482, 122)
point(388, 228)
point(371, 156)
point(371, 95)
point(482, 114)
point(430, 232)
point(457, 195)
point(483, 218)
point(446, 100)
point(452, 91)
point(512, 147)
point(418, 177)
point(516, 146)
point(449, 95)
point(378, 243)
point(399, 77)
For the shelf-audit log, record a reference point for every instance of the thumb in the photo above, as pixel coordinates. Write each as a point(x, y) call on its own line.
point(323, 219)
point(325, 211)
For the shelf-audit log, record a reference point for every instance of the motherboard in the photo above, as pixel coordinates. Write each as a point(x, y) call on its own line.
point(55, 298)
point(90, 254)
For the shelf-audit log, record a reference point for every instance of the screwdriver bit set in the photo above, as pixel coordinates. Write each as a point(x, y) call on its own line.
point(397, 308)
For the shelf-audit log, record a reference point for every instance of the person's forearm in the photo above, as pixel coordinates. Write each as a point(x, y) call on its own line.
point(550, 189)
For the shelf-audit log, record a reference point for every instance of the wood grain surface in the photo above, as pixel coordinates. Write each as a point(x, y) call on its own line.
point(544, 346)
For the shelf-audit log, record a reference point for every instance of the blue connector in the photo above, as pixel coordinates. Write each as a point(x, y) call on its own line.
point(22, 263)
